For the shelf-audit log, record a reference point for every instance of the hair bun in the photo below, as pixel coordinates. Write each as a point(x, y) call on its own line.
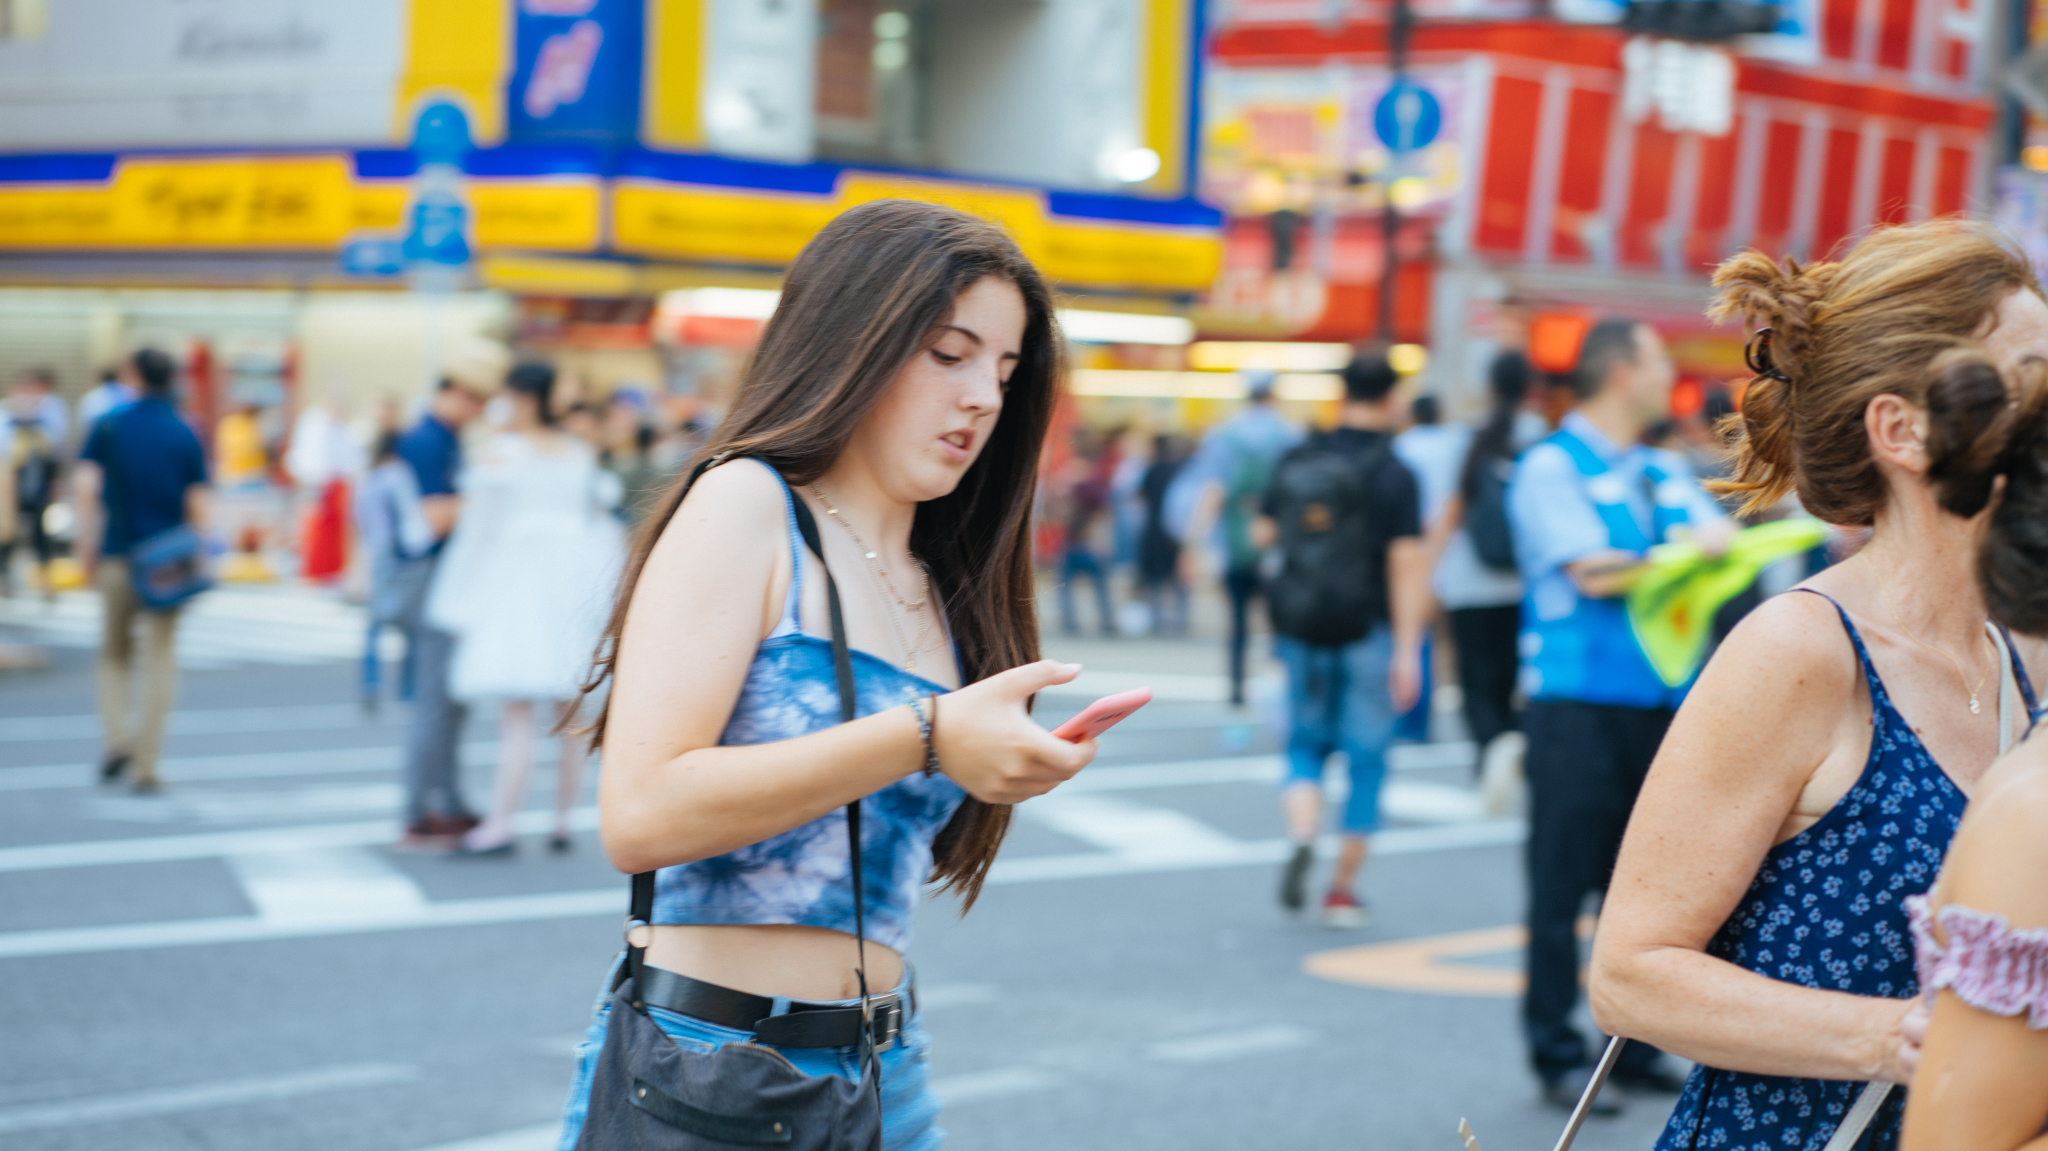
point(1976, 420)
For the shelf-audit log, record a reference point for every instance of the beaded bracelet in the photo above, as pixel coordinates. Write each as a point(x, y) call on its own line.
point(926, 724)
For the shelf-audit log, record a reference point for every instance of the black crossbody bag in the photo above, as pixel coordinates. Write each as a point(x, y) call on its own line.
point(648, 1094)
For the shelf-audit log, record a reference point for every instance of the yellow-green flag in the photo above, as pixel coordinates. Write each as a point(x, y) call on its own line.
point(1672, 606)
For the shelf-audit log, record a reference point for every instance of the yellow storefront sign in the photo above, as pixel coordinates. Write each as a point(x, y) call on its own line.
point(730, 224)
point(278, 202)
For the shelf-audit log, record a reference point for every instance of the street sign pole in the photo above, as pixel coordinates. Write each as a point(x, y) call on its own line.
point(1399, 25)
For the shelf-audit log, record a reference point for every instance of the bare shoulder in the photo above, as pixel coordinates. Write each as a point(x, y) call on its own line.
point(731, 519)
point(2001, 851)
point(1791, 645)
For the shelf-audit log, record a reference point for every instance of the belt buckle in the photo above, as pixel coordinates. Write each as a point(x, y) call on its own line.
point(882, 1015)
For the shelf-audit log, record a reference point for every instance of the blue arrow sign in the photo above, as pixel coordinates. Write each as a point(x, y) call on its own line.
point(1407, 117)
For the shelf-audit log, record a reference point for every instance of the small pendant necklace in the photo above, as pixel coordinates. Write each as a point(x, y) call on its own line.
point(1976, 708)
point(915, 607)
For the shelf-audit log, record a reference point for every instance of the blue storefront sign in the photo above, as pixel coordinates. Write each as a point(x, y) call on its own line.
point(576, 71)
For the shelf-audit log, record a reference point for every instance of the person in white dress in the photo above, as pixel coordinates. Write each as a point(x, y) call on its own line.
point(525, 588)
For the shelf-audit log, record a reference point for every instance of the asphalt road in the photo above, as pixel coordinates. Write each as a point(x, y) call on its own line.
point(241, 964)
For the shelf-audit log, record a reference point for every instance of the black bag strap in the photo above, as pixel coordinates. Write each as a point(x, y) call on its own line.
point(642, 911)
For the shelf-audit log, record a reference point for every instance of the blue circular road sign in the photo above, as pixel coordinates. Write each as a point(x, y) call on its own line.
point(1407, 117)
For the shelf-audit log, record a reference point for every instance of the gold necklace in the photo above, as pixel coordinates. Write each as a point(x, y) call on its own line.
point(915, 607)
point(1975, 707)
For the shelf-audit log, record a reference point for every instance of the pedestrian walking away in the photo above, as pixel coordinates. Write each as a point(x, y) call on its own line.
point(392, 529)
point(1166, 595)
point(435, 816)
point(1585, 505)
point(1981, 933)
point(1218, 492)
point(141, 478)
point(1348, 606)
point(1475, 579)
point(523, 587)
point(1816, 774)
point(32, 430)
point(885, 497)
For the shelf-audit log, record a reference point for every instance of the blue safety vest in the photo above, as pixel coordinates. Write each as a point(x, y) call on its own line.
point(1591, 655)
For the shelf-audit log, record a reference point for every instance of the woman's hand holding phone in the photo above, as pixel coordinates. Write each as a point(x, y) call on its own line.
point(987, 743)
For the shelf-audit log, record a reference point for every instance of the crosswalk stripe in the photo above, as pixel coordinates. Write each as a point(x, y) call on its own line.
point(609, 901)
point(109, 1108)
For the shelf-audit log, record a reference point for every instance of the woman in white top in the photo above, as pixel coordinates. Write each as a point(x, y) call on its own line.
point(524, 587)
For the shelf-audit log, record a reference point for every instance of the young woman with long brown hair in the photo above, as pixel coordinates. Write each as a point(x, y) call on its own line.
point(900, 393)
point(1815, 775)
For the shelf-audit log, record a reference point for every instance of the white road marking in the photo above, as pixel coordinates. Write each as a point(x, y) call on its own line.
point(1230, 1044)
point(182, 769)
point(1131, 830)
point(213, 844)
point(250, 928)
point(609, 901)
point(1180, 687)
point(973, 1086)
point(197, 721)
point(1420, 801)
point(200, 1096)
point(539, 1137)
point(337, 885)
point(1399, 841)
point(282, 624)
point(248, 806)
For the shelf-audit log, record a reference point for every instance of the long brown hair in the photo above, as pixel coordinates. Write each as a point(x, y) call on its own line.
point(868, 293)
point(1844, 333)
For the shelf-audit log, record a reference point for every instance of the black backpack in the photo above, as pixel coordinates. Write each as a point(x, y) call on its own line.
point(1486, 515)
point(1332, 571)
point(35, 466)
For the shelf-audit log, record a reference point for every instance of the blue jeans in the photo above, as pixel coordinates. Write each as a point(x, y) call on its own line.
point(1077, 562)
point(909, 1109)
point(1337, 701)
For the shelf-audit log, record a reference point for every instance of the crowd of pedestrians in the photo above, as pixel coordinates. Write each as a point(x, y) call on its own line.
point(1790, 850)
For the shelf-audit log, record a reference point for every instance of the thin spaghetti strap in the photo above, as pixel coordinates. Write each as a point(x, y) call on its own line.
point(2019, 674)
point(1877, 690)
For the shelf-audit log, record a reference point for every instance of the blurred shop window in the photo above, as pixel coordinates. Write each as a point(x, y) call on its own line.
point(1048, 93)
point(869, 78)
point(24, 19)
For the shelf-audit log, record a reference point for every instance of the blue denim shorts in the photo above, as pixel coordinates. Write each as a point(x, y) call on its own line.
point(1337, 701)
point(909, 1109)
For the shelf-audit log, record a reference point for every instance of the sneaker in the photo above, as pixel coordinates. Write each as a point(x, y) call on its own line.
point(1294, 880)
point(114, 767)
point(436, 834)
point(1343, 912)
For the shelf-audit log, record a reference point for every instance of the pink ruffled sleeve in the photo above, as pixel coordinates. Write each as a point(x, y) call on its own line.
point(1987, 964)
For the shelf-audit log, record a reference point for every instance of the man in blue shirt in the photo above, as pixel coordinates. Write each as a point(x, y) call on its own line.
point(142, 472)
point(1585, 505)
point(435, 816)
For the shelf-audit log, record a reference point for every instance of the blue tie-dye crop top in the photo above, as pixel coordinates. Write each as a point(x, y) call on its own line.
point(800, 876)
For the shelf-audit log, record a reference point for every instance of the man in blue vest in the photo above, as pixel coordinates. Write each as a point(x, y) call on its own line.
point(1585, 505)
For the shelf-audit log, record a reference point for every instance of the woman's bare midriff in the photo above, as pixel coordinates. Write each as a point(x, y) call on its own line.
point(800, 962)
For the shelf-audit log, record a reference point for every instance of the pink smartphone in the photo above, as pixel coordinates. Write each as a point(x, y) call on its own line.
point(1102, 715)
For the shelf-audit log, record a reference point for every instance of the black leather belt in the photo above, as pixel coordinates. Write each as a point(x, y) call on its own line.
point(806, 1024)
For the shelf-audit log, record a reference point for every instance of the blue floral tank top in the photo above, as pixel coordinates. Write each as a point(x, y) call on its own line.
point(1826, 910)
point(801, 875)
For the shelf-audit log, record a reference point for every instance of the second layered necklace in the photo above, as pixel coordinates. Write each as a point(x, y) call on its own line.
point(915, 607)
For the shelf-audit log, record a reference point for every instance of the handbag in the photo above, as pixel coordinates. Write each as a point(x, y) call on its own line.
point(168, 567)
point(649, 1094)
